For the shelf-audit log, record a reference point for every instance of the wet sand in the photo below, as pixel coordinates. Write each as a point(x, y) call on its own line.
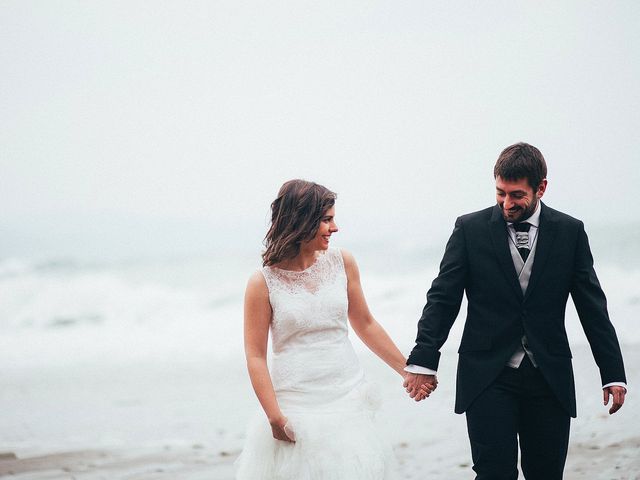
point(187, 422)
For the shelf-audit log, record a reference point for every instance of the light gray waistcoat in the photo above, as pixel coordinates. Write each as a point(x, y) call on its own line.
point(523, 269)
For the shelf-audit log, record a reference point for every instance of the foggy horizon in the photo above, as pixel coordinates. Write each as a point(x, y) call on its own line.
point(127, 131)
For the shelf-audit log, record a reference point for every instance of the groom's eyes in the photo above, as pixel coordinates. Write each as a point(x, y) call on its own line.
point(517, 195)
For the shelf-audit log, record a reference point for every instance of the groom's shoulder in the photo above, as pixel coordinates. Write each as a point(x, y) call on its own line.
point(475, 222)
point(554, 215)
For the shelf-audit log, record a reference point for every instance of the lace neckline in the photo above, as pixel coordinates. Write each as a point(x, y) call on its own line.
point(320, 256)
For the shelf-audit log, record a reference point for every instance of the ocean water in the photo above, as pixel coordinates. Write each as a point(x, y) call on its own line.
point(68, 312)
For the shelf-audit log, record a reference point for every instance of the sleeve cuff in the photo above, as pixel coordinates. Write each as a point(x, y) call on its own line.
point(612, 384)
point(421, 370)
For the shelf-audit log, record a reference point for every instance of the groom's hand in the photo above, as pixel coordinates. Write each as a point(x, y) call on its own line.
point(618, 394)
point(419, 386)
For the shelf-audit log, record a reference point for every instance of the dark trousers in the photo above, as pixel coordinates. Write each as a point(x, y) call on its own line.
point(518, 405)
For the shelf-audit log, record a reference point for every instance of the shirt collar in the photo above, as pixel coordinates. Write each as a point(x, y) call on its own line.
point(534, 219)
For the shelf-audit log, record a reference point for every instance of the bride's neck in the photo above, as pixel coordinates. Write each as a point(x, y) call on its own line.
point(302, 261)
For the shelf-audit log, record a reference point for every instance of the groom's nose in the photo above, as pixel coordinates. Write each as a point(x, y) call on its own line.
point(508, 203)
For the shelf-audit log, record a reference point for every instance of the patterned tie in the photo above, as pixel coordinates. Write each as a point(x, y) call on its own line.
point(522, 238)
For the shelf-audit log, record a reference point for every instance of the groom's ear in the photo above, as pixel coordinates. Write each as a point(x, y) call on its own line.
point(541, 188)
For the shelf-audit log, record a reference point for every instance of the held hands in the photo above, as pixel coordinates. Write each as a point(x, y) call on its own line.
point(281, 430)
point(419, 386)
point(618, 394)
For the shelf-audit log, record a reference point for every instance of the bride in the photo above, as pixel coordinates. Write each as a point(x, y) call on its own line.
point(318, 405)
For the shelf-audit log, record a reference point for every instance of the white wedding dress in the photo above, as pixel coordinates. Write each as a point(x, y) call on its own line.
point(319, 385)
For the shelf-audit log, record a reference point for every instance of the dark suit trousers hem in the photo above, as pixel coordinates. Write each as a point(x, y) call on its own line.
point(518, 405)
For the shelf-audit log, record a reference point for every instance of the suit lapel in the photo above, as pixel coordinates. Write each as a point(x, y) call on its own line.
point(500, 239)
point(546, 235)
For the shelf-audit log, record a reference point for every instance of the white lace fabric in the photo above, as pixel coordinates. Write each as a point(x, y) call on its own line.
point(319, 385)
point(310, 305)
point(309, 333)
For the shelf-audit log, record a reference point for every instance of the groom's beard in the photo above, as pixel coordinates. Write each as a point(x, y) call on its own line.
point(518, 213)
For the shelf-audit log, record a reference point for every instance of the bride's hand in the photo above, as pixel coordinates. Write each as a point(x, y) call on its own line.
point(281, 430)
point(420, 386)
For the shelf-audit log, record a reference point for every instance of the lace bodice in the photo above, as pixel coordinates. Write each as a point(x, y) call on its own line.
point(309, 332)
point(309, 306)
point(319, 385)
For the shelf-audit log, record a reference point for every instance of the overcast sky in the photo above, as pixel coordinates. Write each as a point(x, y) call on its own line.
point(140, 120)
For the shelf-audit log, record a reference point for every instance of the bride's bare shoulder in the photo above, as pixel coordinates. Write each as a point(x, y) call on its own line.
point(257, 283)
point(349, 260)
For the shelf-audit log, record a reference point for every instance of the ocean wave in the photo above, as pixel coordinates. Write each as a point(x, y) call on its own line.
point(121, 311)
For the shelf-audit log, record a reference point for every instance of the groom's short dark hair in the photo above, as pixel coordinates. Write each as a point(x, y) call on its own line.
point(521, 160)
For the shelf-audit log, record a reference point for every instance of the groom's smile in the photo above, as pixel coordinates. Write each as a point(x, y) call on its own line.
point(517, 199)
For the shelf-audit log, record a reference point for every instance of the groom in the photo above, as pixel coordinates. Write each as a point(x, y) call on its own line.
point(518, 262)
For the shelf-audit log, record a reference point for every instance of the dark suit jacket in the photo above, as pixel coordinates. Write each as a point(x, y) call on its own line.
point(477, 261)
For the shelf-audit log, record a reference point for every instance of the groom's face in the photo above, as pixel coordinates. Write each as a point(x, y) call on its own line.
point(517, 199)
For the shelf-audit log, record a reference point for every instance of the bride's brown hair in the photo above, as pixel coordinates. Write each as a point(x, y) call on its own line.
point(295, 218)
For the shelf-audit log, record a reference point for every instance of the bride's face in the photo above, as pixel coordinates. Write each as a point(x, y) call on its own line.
point(327, 228)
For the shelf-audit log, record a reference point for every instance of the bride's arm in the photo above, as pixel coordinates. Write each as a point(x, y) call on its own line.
point(257, 317)
point(366, 327)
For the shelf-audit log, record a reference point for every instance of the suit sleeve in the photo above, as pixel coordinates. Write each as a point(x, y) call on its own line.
point(443, 302)
point(591, 305)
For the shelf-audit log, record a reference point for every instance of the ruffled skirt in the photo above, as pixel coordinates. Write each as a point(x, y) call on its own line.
point(333, 442)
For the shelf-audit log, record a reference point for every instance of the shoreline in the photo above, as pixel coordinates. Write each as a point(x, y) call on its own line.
point(615, 461)
point(186, 421)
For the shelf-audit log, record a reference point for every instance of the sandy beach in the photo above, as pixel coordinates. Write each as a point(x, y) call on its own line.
point(185, 420)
